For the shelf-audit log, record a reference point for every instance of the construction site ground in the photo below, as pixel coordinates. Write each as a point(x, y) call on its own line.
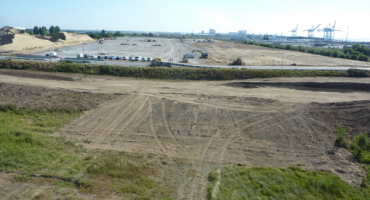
point(199, 126)
point(224, 52)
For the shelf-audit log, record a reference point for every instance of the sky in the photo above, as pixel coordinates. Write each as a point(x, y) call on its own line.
point(259, 17)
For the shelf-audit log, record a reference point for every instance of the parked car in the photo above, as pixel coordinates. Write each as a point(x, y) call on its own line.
point(118, 58)
point(149, 59)
point(100, 57)
point(106, 57)
point(80, 55)
point(94, 57)
point(86, 56)
point(143, 59)
point(131, 58)
point(137, 58)
point(112, 57)
point(124, 58)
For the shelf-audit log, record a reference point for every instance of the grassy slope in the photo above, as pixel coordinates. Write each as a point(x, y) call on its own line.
point(27, 150)
point(280, 183)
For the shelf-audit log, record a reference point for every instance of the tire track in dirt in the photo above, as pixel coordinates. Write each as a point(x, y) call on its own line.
point(94, 132)
point(102, 111)
point(127, 122)
point(194, 124)
point(169, 132)
point(233, 138)
point(119, 116)
point(218, 133)
point(208, 144)
point(154, 133)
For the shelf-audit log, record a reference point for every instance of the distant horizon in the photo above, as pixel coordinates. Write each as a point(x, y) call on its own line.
point(262, 17)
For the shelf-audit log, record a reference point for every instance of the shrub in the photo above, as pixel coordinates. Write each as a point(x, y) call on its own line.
point(342, 56)
point(341, 134)
point(335, 53)
point(347, 56)
point(362, 141)
point(322, 52)
point(362, 57)
point(327, 53)
point(353, 57)
point(311, 51)
point(8, 107)
point(288, 47)
point(358, 73)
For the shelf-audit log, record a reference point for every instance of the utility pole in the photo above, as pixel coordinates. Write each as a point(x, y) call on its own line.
point(282, 59)
point(347, 36)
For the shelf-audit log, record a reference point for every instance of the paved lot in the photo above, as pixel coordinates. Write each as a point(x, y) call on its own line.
point(170, 48)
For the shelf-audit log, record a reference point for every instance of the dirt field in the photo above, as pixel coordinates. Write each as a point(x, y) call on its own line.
point(222, 53)
point(208, 124)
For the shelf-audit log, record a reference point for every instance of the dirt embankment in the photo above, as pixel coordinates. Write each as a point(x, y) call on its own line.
point(225, 52)
point(37, 75)
point(312, 86)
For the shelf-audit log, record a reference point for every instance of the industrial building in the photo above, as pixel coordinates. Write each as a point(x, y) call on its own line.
point(212, 31)
point(240, 35)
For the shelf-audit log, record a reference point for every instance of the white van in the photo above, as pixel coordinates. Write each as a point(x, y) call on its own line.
point(51, 54)
point(80, 56)
point(94, 57)
point(137, 58)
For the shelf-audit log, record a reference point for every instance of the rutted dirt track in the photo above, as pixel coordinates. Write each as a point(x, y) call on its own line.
point(218, 129)
point(209, 122)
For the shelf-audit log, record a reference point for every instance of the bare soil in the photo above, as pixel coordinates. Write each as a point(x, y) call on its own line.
point(208, 124)
point(38, 98)
point(222, 53)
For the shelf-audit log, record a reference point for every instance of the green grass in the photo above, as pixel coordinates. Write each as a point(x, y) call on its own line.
point(27, 149)
point(280, 183)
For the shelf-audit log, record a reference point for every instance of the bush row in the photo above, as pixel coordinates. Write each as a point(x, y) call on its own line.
point(346, 53)
point(170, 73)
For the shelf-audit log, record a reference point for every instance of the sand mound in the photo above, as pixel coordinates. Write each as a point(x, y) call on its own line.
point(43, 37)
point(24, 41)
point(70, 37)
point(7, 30)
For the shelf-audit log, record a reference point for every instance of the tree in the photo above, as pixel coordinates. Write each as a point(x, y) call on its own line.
point(51, 29)
point(36, 30)
point(56, 29)
point(335, 53)
point(40, 31)
point(151, 34)
point(43, 31)
point(266, 37)
point(118, 33)
point(103, 33)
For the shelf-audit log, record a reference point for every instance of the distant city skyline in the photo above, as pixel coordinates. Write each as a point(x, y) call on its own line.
point(269, 16)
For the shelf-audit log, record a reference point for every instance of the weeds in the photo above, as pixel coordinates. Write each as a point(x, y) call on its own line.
point(35, 156)
point(280, 183)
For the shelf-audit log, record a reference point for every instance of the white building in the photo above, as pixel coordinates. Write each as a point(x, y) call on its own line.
point(20, 28)
point(212, 31)
point(240, 35)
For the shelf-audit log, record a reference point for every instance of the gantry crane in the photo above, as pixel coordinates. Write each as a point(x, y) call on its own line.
point(329, 31)
point(311, 31)
point(294, 31)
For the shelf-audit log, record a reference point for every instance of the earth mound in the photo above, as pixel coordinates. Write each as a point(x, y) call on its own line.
point(17, 40)
point(7, 30)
